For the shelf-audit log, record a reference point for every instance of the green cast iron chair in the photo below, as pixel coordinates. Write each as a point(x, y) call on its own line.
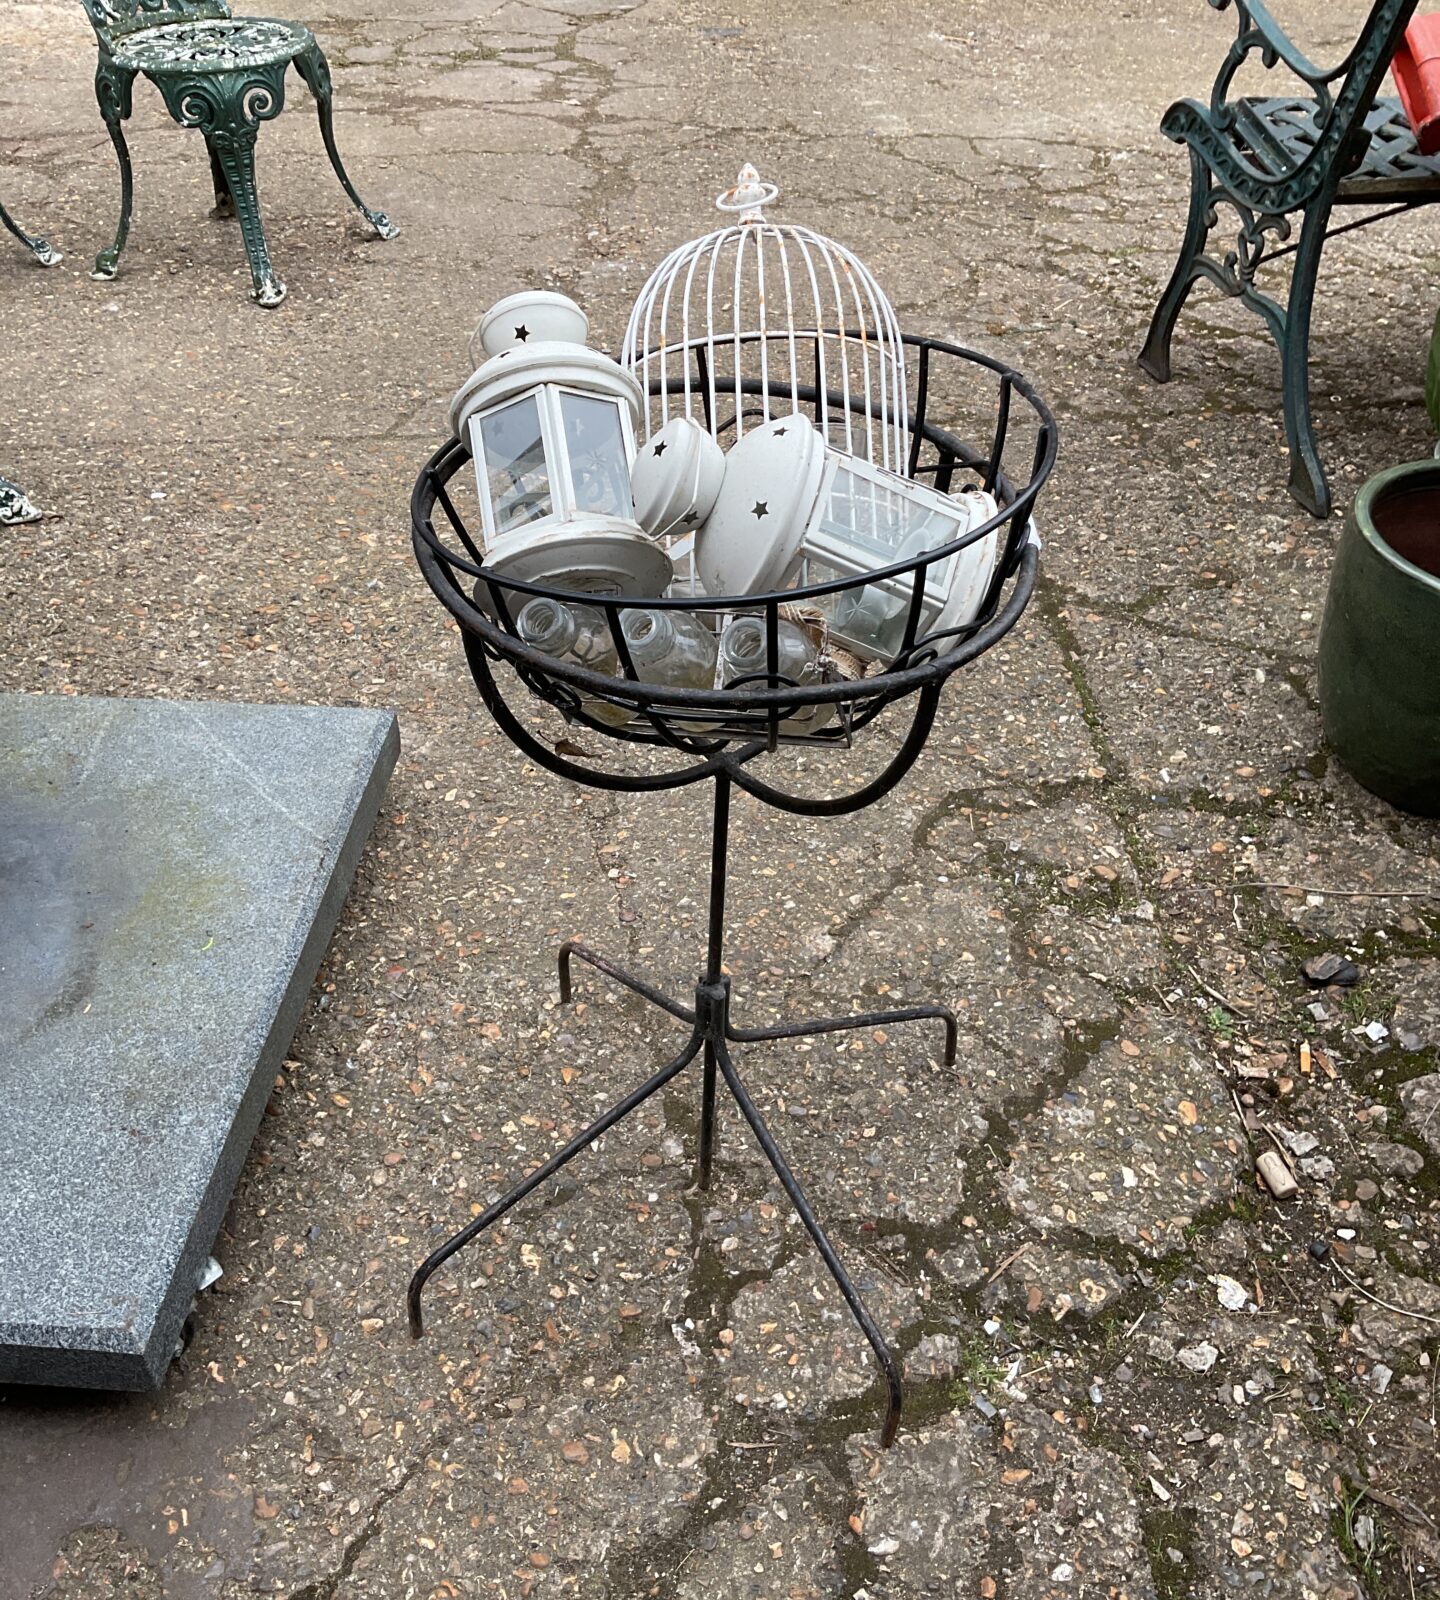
point(225, 76)
point(14, 507)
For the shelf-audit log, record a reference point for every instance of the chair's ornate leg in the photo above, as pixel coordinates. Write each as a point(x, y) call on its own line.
point(573, 949)
point(14, 506)
point(113, 89)
point(228, 108)
point(224, 200)
point(862, 1019)
point(883, 1354)
point(1154, 358)
point(1307, 474)
point(45, 253)
point(315, 69)
point(236, 149)
point(581, 1141)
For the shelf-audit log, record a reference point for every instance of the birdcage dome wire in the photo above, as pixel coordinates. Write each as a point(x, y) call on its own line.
point(731, 328)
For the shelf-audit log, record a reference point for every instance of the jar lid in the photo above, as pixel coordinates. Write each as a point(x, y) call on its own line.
point(750, 541)
point(677, 475)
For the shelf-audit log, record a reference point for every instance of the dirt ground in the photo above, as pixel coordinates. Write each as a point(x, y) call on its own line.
point(1130, 1371)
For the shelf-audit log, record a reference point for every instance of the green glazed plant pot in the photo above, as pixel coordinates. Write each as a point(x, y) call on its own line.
point(1380, 640)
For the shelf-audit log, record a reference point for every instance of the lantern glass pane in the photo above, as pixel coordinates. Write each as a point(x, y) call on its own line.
point(871, 620)
point(513, 450)
point(599, 464)
point(882, 519)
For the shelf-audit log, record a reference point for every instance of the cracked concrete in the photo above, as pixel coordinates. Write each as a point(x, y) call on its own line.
point(1122, 840)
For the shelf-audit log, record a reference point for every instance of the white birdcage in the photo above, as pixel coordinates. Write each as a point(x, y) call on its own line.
point(733, 329)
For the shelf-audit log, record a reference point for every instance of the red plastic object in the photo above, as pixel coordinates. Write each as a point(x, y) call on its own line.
point(1416, 70)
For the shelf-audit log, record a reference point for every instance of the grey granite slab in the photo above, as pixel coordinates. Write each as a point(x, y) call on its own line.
point(170, 875)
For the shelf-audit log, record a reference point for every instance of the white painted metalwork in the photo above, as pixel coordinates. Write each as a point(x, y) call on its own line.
point(740, 322)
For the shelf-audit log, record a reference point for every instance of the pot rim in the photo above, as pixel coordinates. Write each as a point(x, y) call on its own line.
point(1363, 509)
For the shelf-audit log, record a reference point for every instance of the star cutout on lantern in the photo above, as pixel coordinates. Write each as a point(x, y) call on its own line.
point(522, 333)
point(690, 518)
point(661, 448)
point(781, 432)
point(761, 509)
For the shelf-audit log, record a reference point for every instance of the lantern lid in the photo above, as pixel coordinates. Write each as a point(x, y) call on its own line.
point(552, 359)
point(676, 478)
point(605, 556)
point(527, 366)
point(974, 565)
point(752, 536)
point(538, 315)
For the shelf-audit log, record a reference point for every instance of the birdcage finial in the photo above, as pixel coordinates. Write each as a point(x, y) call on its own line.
point(749, 196)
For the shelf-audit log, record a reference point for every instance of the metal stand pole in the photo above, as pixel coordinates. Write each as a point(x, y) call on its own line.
point(711, 1034)
point(714, 979)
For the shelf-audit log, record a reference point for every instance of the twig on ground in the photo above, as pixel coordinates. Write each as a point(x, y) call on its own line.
point(1013, 1256)
point(1215, 994)
point(1411, 1513)
point(1399, 1311)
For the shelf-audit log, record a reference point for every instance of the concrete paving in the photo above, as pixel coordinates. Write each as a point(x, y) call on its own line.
point(1130, 1374)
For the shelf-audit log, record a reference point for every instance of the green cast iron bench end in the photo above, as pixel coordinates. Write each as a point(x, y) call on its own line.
point(1265, 159)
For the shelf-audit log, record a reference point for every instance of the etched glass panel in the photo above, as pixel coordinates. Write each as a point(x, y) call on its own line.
point(512, 451)
point(884, 521)
point(599, 467)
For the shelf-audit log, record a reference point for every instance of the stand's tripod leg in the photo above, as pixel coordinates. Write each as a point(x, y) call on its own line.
point(773, 1154)
point(864, 1019)
point(593, 958)
point(580, 1142)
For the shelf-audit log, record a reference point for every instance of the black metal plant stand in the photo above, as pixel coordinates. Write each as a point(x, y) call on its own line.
point(746, 725)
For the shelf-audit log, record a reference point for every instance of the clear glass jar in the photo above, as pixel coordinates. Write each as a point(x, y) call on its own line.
point(580, 635)
point(744, 654)
point(672, 647)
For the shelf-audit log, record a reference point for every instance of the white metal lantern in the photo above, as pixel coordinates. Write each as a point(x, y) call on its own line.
point(791, 510)
point(742, 320)
point(551, 426)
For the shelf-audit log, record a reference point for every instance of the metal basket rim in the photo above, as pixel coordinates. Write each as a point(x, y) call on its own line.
point(1017, 567)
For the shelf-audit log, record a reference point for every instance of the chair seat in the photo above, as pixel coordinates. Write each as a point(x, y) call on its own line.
point(1279, 134)
point(228, 45)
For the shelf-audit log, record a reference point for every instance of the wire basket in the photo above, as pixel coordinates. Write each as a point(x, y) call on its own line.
point(1013, 466)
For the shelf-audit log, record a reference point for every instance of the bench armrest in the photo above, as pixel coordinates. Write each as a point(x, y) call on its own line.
point(1258, 30)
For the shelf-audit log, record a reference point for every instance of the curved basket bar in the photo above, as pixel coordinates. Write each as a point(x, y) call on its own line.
point(722, 730)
